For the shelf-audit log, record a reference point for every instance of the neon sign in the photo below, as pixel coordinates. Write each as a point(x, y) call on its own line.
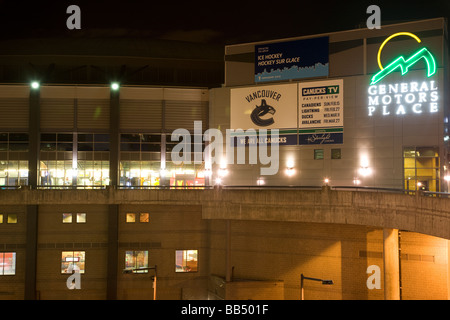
point(406, 97)
point(403, 63)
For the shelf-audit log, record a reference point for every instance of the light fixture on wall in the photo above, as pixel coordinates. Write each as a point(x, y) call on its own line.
point(223, 171)
point(326, 181)
point(207, 172)
point(290, 170)
point(364, 168)
point(365, 171)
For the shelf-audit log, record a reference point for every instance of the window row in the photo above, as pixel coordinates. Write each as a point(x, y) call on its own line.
point(63, 173)
point(138, 142)
point(100, 142)
point(13, 173)
point(81, 218)
point(78, 218)
point(66, 218)
point(75, 261)
point(14, 141)
point(97, 173)
point(185, 261)
point(319, 154)
point(65, 142)
point(149, 173)
point(8, 218)
point(131, 217)
point(68, 137)
point(96, 141)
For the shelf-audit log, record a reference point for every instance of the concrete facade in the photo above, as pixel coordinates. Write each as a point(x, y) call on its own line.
point(252, 241)
point(254, 249)
point(427, 215)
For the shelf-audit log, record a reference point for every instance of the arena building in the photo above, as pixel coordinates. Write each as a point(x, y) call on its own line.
point(330, 163)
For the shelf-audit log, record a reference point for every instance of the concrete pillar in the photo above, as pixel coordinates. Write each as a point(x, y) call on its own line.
point(228, 252)
point(31, 253)
point(114, 124)
point(34, 138)
point(113, 254)
point(391, 264)
point(448, 269)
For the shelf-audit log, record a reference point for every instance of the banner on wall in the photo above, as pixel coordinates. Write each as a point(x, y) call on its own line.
point(265, 107)
point(297, 59)
point(307, 113)
point(321, 112)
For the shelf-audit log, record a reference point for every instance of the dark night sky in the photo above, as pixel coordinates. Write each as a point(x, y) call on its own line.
point(219, 22)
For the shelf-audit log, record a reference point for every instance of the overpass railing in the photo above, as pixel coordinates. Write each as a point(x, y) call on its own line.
point(236, 187)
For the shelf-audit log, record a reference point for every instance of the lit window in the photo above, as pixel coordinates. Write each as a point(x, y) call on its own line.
point(12, 218)
point(186, 260)
point(81, 217)
point(143, 217)
point(67, 218)
point(318, 154)
point(73, 261)
point(135, 260)
point(421, 168)
point(14, 172)
point(131, 217)
point(7, 263)
point(1, 218)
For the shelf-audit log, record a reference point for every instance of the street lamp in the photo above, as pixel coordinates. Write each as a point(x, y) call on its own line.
point(115, 86)
point(153, 278)
point(302, 277)
point(35, 85)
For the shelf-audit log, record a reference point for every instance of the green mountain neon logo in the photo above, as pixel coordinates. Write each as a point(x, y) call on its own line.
point(404, 65)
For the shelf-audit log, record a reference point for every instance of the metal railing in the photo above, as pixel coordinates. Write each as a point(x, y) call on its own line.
point(436, 194)
point(234, 187)
point(371, 189)
point(70, 187)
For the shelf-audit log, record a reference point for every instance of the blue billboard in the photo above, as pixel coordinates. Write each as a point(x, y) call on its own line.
point(297, 59)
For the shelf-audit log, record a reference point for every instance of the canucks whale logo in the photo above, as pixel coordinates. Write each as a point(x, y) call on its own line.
point(403, 63)
point(258, 114)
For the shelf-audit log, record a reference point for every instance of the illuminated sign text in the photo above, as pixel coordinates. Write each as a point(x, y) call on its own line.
point(403, 98)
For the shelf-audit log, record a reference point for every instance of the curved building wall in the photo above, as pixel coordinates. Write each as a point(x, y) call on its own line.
point(390, 134)
point(80, 134)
